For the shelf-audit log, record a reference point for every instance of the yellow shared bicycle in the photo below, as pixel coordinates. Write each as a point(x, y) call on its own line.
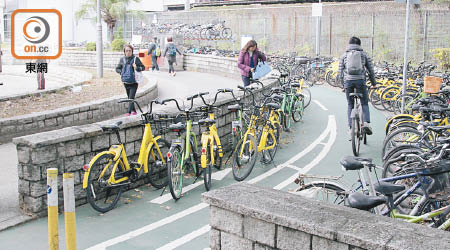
point(110, 171)
point(257, 140)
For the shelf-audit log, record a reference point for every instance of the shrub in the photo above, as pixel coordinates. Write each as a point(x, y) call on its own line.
point(442, 55)
point(117, 44)
point(91, 46)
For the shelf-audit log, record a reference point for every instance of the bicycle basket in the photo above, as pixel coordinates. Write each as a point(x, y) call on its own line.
point(440, 175)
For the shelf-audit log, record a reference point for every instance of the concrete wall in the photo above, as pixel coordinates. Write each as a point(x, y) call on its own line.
point(86, 113)
point(245, 216)
point(212, 64)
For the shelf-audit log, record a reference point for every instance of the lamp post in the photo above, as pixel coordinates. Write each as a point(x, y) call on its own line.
point(99, 45)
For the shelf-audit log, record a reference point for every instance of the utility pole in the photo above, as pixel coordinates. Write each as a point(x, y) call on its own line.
point(99, 45)
point(318, 28)
point(405, 60)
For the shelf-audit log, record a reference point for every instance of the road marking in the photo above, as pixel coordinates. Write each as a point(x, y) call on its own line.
point(186, 238)
point(219, 175)
point(149, 227)
point(293, 167)
point(313, 163)
point(320, 105)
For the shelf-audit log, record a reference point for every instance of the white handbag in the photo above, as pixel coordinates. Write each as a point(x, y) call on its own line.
point(138, 75)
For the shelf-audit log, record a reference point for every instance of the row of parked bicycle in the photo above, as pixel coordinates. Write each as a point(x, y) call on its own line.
point(260, 114)
point(415, 174)
point(211, 31)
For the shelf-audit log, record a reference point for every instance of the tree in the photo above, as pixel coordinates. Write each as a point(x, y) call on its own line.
point(111, 11)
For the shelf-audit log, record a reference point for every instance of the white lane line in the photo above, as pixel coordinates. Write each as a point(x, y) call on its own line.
point(186, 238)
point(149, 227)
point(319, 139)
point(294, 167)
point(316, 160)
point(167, 197)
point(320, 105)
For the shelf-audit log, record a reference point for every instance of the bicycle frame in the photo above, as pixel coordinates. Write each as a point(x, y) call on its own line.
point(208, 139)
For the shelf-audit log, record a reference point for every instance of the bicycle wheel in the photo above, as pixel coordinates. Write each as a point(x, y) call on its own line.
point(175, 172)
point(400, 137)
point(269, 155)
point(244, 158)
point(226, 33)
point(207, 169)
point(102, 196)
point(235, 136)
point(297, 109)
point(157, 170)
point(306, 96)
point(323, 191)
point(356, 131)
point(285, 120)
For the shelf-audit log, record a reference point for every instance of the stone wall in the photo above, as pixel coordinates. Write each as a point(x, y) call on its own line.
point(212, 64)
point(68, 149)
point(90, 112)
point(245, 216)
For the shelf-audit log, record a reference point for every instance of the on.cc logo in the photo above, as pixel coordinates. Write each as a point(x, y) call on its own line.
point(36, 29)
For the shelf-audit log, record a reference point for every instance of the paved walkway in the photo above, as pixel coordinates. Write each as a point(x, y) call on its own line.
point(17, 82)
point(182, 85)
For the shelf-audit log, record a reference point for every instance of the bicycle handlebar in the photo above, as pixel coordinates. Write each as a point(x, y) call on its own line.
point(171, 100)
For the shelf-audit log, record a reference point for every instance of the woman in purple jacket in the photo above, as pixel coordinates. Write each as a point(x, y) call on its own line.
point(248, 59)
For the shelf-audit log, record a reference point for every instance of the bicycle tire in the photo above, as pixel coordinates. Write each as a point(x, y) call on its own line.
point(250, 150)
point(174, 172)
point(307, 97)
point(207, 169)
point(270, 154)
point(217, 159)
point(297, 109)
point(356, 130)
point(330, 192)
point(387, 98)
point(374, 97)
point(226, 33)
point(93, 195)
point(388, 170)
point(154, 175)
point(390, 142)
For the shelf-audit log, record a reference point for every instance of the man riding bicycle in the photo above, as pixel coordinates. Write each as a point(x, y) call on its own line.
point(352, 72)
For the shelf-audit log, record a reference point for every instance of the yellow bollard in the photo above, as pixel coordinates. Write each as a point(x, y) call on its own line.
point(52, 208)
point(69, 211)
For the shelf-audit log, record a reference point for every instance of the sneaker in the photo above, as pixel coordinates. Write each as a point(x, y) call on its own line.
point(133, 113)
point(127, 114)
point(367, 129)
point(174, 74)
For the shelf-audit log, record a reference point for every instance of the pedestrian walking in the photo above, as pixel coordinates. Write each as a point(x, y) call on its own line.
point(155, 52)
point(352, 72)
point(126, 68)
point(171, 53)
point(248, 59)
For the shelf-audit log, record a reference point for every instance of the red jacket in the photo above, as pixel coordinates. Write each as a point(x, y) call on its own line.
point(244, 61)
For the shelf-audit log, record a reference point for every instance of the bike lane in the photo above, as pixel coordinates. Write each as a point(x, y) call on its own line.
point(143, 220)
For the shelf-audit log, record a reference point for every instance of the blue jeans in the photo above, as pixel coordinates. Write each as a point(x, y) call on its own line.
point(246, 79)
point(155, 63)
point(360, 86)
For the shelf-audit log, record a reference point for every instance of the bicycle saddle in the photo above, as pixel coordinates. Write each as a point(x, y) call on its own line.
point(273, 105)
point(206, 121)
point(295, 85)
point(111, 127)
point(354, 163)
point(298, 95)
point(284, 75)
point(364, 202)
point(177, 126)
point(277, 97)
point(387, 188)
point(234, 107)
point(356, 94)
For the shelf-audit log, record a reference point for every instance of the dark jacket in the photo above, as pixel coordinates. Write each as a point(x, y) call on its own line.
point(244, 61)
point(169, 57)
point(366, 61)
point(139, 66)
point(152, 49)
